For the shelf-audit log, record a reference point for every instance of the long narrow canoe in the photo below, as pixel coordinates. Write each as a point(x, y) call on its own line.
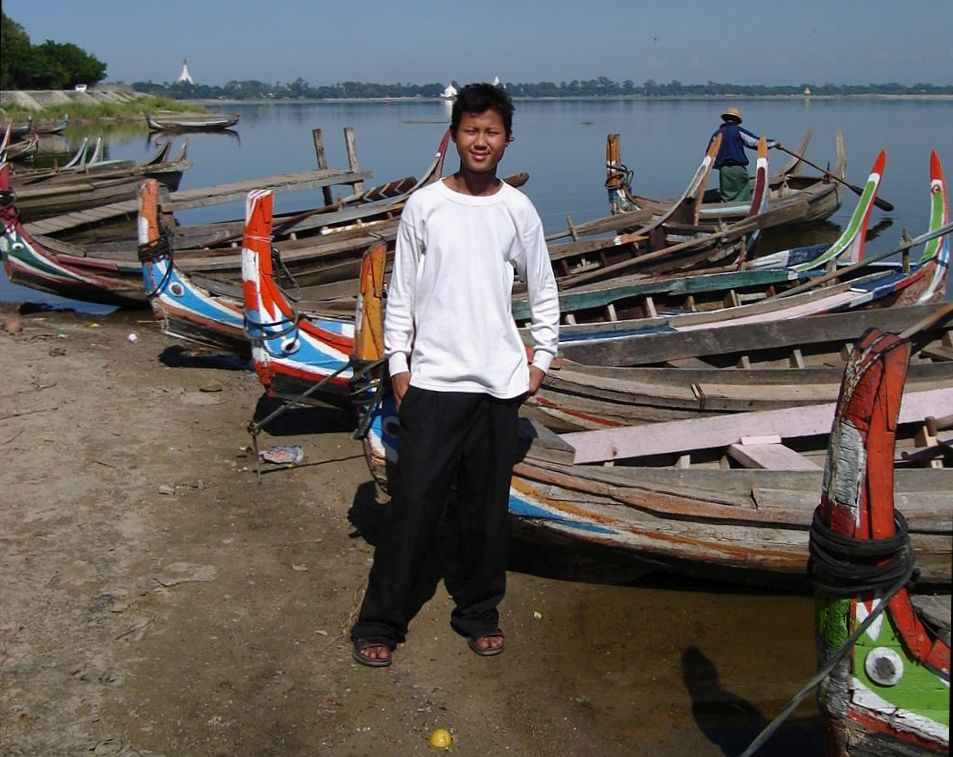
point(202, 122)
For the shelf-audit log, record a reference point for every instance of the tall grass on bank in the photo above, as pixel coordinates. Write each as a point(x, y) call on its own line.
point(128, 111)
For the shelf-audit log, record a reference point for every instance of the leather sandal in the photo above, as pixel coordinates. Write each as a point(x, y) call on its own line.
point(487, 651)
point(361, 646)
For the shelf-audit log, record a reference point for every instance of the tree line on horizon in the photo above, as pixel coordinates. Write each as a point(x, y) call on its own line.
point(51, 65)
point(600, 87)
point(55, 65)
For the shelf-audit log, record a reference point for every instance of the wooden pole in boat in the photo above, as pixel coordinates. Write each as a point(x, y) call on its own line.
point(937, 316)
point(879, 202)
point(322, 160)
point(926, 237)
point(729, 233)
point(352, 163)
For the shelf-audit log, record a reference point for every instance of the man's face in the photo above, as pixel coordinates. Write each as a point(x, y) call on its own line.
point(481, 141)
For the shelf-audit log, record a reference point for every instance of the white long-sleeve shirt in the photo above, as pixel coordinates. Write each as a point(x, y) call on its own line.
point(448, 319)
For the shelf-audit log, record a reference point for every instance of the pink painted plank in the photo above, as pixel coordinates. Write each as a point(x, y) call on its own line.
point(720, 431)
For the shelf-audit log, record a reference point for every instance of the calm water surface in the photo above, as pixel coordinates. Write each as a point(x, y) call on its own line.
point(742, 654)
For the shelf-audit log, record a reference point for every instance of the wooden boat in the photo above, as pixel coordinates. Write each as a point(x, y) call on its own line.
point(575, 396)
point(110, 272)
point(18, 131)
point(727, 498)
point(25, 149)
point(887, 646)
point(821, 194)
point(210, 314)
point(51, 193)
point(86, 166)
point(44, 128)
point(806, 341)
point(182, 122)
point(675, 241)
point(744, 525)
point(209, 310)
point(292, 355)
point(639, 297)
point(878, 287)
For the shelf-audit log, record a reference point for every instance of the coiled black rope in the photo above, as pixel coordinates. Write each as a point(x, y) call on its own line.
point(842, 566)
point(156, 252)
point(619, 169)
point(286, 325)
point(845, 566)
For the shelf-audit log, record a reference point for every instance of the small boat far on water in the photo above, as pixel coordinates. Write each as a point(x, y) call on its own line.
point(821, 195)
point(184, 122)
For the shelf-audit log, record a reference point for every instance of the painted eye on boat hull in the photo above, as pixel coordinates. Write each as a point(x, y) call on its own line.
point(884, 666)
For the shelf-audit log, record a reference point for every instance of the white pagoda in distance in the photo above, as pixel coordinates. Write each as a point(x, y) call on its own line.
point(449, 92)
point(185, 77)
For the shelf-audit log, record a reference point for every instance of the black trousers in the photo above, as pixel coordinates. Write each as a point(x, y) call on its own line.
point(445, 437)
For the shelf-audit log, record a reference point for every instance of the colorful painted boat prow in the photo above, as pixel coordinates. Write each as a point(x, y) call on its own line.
point(937, 250)
point(891, 694)
point(291, 353)
point(183, 310)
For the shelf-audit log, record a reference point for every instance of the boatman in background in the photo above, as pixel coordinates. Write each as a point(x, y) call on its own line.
point(731, 161)
point(459, 373)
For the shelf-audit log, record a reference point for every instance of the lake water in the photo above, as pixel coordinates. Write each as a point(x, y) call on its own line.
point(561, 144)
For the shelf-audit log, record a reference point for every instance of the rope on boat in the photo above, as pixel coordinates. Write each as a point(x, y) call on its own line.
point(366, 396)
point(616, 170)
point(287, 325)
point(158, 251)
point(277, 262)
point(8, 199)
point(845, 566)
point(255, 427)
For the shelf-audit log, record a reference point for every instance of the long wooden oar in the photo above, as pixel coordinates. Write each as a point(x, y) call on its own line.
point(882, 204)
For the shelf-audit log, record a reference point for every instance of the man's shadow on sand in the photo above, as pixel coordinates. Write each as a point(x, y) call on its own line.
point(731, 723)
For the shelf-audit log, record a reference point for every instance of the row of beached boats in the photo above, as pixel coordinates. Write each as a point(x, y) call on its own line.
point(89, 180)
point(687, 423)
point(321, 247)
point(21, 142)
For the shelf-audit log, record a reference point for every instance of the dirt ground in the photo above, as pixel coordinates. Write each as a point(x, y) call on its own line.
point(157, 600)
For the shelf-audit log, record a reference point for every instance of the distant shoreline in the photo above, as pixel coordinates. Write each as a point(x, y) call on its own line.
point(587, 98)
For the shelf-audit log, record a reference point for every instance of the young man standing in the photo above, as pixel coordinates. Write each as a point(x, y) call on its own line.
point(459, 373)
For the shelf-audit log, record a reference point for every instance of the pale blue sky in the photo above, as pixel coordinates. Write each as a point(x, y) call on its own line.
point(423, 41)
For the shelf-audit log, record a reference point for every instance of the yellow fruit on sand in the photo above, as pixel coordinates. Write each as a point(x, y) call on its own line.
point(441, 738)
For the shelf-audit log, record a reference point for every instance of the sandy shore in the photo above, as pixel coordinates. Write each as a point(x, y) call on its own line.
point(157, 600)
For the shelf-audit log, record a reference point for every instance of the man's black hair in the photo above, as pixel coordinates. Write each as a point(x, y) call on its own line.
point(479, 98)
